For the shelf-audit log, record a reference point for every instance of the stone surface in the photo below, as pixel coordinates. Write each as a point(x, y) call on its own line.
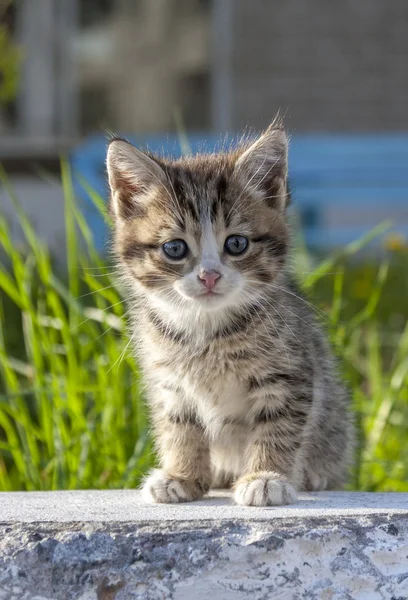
point(111, 546)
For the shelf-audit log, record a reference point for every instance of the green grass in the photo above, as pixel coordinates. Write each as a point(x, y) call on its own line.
point(71, 401)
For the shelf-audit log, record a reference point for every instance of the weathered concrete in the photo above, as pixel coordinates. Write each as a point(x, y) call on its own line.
point(111, 546)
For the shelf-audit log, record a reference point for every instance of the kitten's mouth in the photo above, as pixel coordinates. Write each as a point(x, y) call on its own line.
point(208, 294)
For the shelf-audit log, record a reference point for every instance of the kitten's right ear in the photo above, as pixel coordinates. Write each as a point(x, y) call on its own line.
point(264, 165)
point(131, 175)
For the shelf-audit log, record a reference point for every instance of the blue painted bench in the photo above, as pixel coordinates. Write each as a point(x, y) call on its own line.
point(342, 185)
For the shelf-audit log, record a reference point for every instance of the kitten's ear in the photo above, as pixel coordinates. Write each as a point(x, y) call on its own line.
point(264, 165)
point(131, 175)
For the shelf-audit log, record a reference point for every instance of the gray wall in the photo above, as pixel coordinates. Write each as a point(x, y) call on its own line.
point(332, 65)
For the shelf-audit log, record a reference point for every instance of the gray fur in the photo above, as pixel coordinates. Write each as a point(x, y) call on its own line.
point(244, 392)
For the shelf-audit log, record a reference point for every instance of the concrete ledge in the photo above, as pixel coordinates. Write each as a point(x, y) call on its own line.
point(111, 546)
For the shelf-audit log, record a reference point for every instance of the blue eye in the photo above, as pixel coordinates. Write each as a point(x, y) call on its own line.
point(176, 249)
point(236, 244)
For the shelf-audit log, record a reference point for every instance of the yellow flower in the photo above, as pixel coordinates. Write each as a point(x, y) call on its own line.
point(394, 241)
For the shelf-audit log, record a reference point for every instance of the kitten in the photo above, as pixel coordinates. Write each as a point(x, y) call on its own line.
point(240, 381)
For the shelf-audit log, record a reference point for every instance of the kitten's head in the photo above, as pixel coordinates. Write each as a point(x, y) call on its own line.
point(202, 233)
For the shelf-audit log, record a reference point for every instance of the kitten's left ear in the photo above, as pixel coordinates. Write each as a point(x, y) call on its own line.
point(264, 165)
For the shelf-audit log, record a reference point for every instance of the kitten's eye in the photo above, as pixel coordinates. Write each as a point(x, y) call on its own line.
point(236, 244)
point(176, 249)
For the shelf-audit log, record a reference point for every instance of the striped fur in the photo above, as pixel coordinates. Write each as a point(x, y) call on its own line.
point(241, 385)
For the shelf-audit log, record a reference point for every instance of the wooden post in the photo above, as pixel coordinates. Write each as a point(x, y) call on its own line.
point(67, 85)
point(222, 79)
point(47, 104)
point(37, 93)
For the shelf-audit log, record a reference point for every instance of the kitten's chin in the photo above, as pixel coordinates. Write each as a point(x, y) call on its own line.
point(209, 301)
point(212, 301)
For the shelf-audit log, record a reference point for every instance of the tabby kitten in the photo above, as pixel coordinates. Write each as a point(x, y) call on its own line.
point(241, 384)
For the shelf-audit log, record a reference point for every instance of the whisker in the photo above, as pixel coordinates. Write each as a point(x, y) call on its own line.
point(94, 292)
point(107, 274)
point(90, 318)
point(122, 354)
point(285, 290)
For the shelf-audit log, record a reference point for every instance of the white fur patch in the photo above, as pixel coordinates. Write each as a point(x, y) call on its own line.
point(227, 450)
point(265, 492)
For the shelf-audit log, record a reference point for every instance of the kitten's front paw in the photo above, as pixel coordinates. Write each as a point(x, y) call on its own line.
point(160, 487)
point(264, 489)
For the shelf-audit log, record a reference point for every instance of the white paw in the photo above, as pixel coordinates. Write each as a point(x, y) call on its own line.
point(265, 490)
point(315, 482)
point(159, 487)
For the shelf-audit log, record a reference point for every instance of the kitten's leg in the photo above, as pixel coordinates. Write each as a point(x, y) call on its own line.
point(269, 477)
point(221, 480)
point(330, 439)
point(185, 474)
point(226, 455)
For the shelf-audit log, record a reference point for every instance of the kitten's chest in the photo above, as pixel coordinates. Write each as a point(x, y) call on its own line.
point(217, 401)
point(222, 397)
point(211, 378)
point(212, 385)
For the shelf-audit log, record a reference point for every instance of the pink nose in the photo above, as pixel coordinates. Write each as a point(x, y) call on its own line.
point(209, 278)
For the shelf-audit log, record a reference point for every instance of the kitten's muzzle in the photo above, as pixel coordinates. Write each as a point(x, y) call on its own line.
point(209, 278)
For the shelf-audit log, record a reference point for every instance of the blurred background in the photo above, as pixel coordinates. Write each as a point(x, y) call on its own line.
point(71, 70)
point(177, 76)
